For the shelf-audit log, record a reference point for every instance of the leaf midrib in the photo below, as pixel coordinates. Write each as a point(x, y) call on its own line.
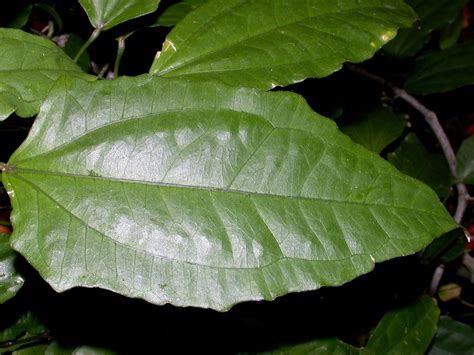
point(212, 189)
point(276, 261)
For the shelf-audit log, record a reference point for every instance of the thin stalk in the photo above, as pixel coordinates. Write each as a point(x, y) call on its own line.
point(86, 45)
point(118, 58)
point(432, 119)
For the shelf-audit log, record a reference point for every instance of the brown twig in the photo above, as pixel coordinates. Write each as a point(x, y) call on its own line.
point(432, 119)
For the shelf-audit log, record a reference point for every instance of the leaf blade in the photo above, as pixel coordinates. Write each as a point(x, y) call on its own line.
point(376, 130)
point(25, 83)
point(275, 43)
point(443, 71)
point(226, 222)
point(106, 14)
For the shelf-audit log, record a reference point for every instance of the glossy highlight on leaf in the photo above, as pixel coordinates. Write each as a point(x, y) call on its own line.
point(29, 66)
point(105, 14)
point(269, 43)
point(199, 194)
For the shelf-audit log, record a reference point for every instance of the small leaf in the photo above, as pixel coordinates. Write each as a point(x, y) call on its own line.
point(433, 15)
point(377, 129)
point(29, 66)
point(25, 327)
point(199, 194)
point(10, 280)
point(413, 159)
point(453, 337)
point(465, 161)
point(270, 43)
point(176, 12)
point(105, 14)
point(443, 71)
point(405, 331)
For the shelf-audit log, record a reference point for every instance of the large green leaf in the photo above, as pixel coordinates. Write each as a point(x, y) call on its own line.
point(105, 14)
point(176, 12)
point(205, 195)
point(270, 43)
point(377, 129)
point(413, 159)
point(453, 337)
point(465, 160)
point(10, 280)
point(443, 71)
point(433, 15)
point(29, 66)
point(405, 331)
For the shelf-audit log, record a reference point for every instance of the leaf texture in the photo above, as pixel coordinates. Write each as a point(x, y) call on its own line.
point(106, 14)
point(270, 43)
point(29, 66)
point(199, 194)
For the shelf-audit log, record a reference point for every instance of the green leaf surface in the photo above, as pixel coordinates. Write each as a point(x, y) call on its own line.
point(433, 15)
point(453, 337)
point(271, 43)
point(56, 348)
point(176, 12)
point(412, 158)
point(205, 195)
point(105, 14)
point(377, 129)
point(443, 71)
point(29, 66)
point(10, 280)
point(408, 330)
point(465, 161)
point(27, 323)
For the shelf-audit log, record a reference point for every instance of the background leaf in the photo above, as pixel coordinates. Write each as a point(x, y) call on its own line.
point(453, 337)
point(272, 43)
point(26, 326)
point(29, 65)
point(56, 348)
point(106, 14)
point(465, 161)
point(433, 15)
point(412, 158)
point(176, 12)
point(443, 71)
point(407, 330)
point(205, 195)
point(376, 129)
point(10, 280)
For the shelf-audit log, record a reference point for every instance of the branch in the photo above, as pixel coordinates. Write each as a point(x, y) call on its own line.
point(432, 119)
